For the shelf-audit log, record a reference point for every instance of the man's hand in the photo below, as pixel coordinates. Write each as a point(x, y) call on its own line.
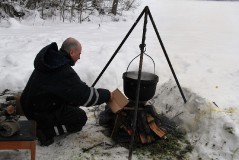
point(10, 109)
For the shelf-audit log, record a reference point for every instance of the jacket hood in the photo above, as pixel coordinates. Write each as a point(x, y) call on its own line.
point(50, 59)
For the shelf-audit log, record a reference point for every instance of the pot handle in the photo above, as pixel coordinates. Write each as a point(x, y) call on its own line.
point(138, 56)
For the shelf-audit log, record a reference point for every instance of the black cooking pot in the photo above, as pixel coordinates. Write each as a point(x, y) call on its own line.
point(148, 83)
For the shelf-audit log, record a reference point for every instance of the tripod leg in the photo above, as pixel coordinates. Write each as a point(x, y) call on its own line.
point(142, 46)
point(166, 55)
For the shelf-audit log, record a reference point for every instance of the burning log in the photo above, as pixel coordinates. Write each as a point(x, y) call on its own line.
point(154, 127)
point(148, 128)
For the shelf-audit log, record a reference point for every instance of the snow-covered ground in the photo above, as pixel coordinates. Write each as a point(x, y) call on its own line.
point(201, 39)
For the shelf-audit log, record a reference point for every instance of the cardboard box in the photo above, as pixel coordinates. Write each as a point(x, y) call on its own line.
point(118, 102)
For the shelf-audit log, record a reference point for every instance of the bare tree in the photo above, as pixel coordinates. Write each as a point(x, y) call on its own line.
point(9, 10)
point(114, 6)
point(31, 4)
point(62, 10)
point(42, 9)
point(80, 10)
point(129, 4)
point(72, 10)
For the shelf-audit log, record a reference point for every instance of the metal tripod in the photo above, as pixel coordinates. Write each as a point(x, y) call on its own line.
point(146, 12)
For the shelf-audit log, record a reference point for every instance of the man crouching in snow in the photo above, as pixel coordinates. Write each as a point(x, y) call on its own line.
point(54, 92)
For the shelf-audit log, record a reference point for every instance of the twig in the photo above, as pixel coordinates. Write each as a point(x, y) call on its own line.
point(89, 148)
point(99, 144)
point(215, 104)
point(176, 115)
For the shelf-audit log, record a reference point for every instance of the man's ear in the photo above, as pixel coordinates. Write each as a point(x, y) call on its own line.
point(71, 52)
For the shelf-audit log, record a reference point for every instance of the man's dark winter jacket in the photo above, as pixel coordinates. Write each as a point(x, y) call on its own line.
point(54, 84)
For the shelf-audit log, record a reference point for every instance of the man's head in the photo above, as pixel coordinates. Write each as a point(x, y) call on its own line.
point(73, 48)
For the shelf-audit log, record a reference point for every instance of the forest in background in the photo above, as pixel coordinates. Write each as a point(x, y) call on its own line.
point(66, 10)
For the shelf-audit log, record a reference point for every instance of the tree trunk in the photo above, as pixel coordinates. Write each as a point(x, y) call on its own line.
point(72, 10)
point(114, 6)
point(42, 10)
point(81, 9)
point(63, 10)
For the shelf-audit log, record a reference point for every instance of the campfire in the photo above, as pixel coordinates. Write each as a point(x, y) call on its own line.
point(148, 128)
point(119, 113)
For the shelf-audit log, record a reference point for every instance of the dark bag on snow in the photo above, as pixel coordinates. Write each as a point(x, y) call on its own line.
point(9, 128)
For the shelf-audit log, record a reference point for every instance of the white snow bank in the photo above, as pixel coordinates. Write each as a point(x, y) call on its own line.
point(213, 131)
